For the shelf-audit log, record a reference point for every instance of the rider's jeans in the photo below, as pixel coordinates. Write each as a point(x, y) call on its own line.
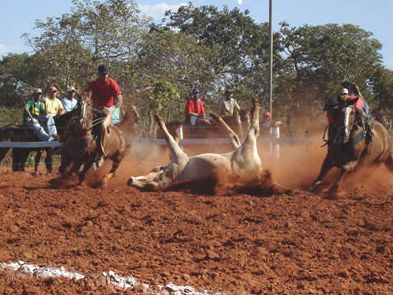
point(39, 131)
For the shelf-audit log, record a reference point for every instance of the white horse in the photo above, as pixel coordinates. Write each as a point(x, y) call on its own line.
point(243, 160)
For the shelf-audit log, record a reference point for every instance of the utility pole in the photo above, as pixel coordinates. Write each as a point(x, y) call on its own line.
point(271, 57)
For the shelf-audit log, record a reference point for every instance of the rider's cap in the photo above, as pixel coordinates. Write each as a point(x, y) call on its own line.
point(38, 91)
point(330, 102)
point(229, 91)
point(266, 114)
point(70, 89)
point(196, 90)
point(344, 91)
point(103, 69)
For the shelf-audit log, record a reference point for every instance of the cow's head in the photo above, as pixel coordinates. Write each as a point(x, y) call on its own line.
point(159, 178)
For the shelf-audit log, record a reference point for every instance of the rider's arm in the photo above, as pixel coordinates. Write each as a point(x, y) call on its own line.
point(28, 113)
point(118, 100)
point(187, 110)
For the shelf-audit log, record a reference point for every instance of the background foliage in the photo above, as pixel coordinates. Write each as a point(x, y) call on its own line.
point(157, 64)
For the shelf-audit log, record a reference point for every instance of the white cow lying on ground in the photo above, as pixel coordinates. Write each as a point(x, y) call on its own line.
point(243, 160)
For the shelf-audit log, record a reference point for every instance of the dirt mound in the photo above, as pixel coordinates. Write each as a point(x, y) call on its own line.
point(232, 243)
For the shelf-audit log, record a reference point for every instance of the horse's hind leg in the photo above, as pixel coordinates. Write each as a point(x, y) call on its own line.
point(389, 163)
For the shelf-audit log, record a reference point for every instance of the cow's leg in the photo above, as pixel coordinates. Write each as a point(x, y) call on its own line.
point(233, 137)
point(176, 153)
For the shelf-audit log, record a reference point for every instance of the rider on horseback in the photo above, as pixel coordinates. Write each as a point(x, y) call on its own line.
point(194, 108)
point(228, 105)
point(362, 111)
point(106, 97)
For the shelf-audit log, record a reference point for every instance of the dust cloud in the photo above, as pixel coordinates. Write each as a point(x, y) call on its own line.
point(293, 165)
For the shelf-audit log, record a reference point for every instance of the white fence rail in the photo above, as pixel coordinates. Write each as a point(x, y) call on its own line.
point(189, 141)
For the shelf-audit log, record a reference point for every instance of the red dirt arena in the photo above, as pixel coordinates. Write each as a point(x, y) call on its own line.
point(193, 240)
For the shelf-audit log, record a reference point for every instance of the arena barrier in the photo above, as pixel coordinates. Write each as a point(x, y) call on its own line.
point(189, 141)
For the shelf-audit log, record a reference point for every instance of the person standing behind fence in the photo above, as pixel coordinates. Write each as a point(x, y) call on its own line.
point(53, 105)
point(69, 102)
point(34, 114)
point(228, 105)
point(194, 108)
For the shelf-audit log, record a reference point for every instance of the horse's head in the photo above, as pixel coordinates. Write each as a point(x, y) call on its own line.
point(83, 120)
point(343, 111)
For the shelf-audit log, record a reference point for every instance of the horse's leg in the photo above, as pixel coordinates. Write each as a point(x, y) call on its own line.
point(326, 166)
point(3, 152)
point(19, 157)
point(88, 163)
point(37, 160)
point(49, 160)
point(389, 162)
point(64, 163)
point(112, 172)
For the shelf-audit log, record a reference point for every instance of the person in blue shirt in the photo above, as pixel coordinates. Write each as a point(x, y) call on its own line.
point(69, 102)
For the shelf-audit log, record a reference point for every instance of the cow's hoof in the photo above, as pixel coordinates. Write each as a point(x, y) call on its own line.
point(130, 181)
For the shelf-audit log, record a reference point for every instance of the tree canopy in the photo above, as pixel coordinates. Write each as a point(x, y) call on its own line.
point(157, 64)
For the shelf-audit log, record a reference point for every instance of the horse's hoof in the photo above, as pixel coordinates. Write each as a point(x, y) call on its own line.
point(314, 187)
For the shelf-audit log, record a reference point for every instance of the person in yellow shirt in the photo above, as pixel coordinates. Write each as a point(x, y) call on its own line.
point(53, 105)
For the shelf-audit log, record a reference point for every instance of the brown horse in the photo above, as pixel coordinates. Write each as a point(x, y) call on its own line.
point(78, 143)
point(80, 148)
point(17, 133)
point(204, 128)
point(349, 149)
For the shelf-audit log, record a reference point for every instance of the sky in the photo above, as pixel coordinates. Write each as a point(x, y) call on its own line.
point(376, 16)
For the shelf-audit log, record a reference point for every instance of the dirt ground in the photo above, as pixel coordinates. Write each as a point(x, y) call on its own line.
point(298, 243)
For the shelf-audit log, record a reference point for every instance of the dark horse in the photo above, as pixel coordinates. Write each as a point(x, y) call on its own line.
point(204, 128)
point(80, 147)
point(18, 133)
point(349, 149)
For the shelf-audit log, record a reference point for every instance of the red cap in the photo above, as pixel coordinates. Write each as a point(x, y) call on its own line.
point(266, 114)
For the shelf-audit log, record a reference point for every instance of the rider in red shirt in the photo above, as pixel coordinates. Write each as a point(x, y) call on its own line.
point(194, 108)
point(106, 96)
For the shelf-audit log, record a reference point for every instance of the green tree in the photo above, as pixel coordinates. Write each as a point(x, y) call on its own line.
point(316, 59)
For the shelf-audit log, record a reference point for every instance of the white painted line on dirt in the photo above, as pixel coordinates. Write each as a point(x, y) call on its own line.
point(114, 279)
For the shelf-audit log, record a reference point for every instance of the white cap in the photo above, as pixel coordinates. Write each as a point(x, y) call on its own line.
point(344, 91)
point(70, 89)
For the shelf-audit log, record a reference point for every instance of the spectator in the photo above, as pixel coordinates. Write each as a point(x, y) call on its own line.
point(34, 114)
point(53, 105)
point(69, 102)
